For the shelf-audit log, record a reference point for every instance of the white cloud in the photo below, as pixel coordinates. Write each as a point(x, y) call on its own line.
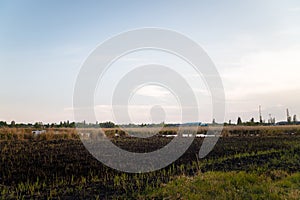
point(153, 91)
point(264, 72)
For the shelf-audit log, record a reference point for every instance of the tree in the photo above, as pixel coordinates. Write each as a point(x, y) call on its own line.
point(214, 121)
point(107, 125)
point(3, 124)
point(38, 125)
point(239, 121)
point(13, 124)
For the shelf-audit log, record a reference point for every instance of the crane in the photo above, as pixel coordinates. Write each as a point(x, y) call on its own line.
point(260, 116)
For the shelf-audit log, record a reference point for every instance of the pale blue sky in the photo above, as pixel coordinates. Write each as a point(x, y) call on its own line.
point(254, 44)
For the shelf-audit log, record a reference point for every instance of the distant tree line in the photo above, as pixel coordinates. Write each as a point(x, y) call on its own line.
point(37, 125)
point(109, 124)
point(271, 121)
point(62, 124)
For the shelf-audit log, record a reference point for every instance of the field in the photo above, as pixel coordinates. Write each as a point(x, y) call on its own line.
point(246, 163)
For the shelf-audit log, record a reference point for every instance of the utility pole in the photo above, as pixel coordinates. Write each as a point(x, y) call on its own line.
point(260, 117)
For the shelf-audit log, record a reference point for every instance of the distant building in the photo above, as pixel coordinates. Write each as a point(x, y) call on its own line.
point(186, 124)
point(287, 123)
point(203, 124)
point(192, 124)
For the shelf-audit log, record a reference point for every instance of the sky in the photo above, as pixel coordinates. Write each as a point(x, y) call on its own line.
point(255, 45)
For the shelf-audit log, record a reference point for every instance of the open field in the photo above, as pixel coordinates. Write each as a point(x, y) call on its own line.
point(56, 164)
point(71, 133)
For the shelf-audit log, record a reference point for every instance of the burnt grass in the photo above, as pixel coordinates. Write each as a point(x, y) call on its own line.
point(65, 169)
